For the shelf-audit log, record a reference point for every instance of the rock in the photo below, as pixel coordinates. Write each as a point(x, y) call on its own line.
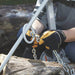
point(23, 66)
point(2, 56)
point(12, 16)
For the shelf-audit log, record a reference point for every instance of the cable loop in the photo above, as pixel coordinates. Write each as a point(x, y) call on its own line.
point(24, 34)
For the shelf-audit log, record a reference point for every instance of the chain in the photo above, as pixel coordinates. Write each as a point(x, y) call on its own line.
point(34, 50)
point(34, 53)
point(66, 67)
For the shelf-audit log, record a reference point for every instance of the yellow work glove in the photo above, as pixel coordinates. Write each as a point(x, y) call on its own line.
point(52, 40)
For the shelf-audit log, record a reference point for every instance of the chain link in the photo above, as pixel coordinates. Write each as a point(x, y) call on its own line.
point(37, 38)
point(34, 53)
point(66, 67)
point(34, 50)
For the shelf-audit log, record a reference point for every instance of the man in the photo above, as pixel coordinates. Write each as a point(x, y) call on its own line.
point(65, 22)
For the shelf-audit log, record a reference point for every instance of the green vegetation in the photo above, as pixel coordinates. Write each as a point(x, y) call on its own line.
point(14, 2)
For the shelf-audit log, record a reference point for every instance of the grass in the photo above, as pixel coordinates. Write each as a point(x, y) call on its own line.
point(14, 2)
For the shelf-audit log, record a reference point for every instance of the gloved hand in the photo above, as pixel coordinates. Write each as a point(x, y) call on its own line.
point(52, 40)
point(39, 48)
point(34, 45)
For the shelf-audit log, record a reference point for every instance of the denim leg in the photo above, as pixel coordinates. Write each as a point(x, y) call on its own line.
point(19, 32)
point(70, 51)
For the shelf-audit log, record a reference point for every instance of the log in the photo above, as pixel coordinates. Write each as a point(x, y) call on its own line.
point(23, 66)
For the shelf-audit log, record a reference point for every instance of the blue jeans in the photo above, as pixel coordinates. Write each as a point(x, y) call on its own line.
point(70, 51)
point(19, 32)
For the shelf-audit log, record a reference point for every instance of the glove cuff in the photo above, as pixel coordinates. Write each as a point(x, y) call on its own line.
point(62, 35)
